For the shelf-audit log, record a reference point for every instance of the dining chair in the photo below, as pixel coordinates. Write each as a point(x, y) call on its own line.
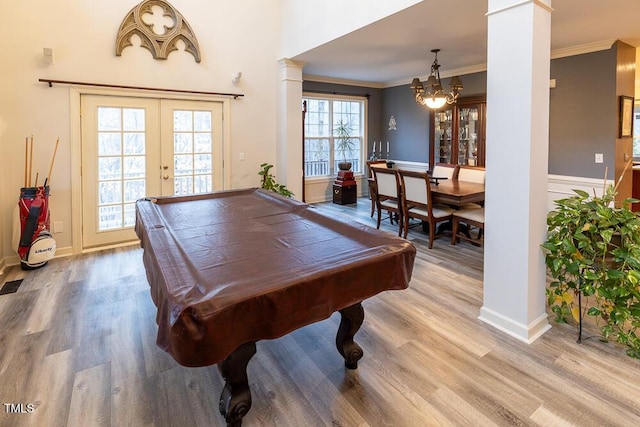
point(417, 203)
point(469, 217)
point(375, 164)
point(445, 170)
point(472, 174)
point(388, 195)
point(373, 191)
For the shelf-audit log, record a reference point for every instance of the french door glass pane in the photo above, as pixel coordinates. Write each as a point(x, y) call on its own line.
point(134, 167)
point(133, 119)
point(183, 184)
point(109, 168)
point(109, 144)
point(110, 217)
point(129, 215)
point(109, 119)
point(193, 151)
point(133, 190)
point(121, 165)
point(134, 143)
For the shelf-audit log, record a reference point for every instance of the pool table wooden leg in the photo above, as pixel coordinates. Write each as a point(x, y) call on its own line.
point(235, 400)
point(351, 320)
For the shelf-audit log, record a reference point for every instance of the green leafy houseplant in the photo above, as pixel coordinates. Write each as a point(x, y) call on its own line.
point(344, 143)
point(593, 256)
point(269, 181)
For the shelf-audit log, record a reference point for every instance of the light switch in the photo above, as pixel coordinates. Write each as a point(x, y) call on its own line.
point(599, 158)
point(241, 156)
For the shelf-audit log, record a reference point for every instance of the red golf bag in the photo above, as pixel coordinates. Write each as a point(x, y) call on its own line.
point(32, 238)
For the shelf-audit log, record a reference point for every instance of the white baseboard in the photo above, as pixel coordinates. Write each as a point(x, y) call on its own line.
point(15, 259)
point(527, 333)
point(114, 246)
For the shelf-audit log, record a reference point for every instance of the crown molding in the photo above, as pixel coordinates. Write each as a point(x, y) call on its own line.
point(333, 80)
point(444, 75)
point(555, 54)
point(582, 49)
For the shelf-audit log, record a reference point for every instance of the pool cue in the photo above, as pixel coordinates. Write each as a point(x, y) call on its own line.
point(55, 150)
point(30, 160)
point(26, 159)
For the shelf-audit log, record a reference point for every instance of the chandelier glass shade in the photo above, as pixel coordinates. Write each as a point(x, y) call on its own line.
point(431, 93)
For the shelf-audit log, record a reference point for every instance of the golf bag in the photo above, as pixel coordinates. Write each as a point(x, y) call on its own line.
point(31, 236)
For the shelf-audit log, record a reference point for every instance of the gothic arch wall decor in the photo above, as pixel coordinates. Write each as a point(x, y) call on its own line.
point(159, 43)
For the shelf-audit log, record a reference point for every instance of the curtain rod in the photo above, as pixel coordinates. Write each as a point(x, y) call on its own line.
point(329, 92)
point(65, 82)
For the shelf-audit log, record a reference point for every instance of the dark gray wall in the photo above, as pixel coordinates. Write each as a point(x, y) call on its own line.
point(411, 141)
point(582, 114)
point(374, 105)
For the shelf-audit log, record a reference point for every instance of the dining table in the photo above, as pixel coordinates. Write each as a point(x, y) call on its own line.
point(456, 192)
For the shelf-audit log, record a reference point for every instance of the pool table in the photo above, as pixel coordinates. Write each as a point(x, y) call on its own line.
point(230, 268)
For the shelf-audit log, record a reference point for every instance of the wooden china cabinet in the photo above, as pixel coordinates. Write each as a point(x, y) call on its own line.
point(458, 132)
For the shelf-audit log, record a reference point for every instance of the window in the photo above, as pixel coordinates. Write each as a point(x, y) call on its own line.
point(121, 165)
point(325, 119)
point(193, 151)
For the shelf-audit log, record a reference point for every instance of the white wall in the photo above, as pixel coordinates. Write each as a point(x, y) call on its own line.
point(83, 36)
point(310, 23)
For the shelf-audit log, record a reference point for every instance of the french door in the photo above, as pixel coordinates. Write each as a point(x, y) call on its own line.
point(140, 147)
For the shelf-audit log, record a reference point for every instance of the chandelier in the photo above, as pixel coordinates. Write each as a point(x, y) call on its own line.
point(431, 93)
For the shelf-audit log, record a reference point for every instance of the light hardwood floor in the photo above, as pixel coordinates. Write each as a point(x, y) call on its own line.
point(77, 341)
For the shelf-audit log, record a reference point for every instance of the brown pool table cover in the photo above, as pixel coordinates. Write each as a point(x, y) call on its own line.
point(238, 266)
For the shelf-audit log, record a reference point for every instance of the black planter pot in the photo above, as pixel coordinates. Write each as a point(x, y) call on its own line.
point(344, 166)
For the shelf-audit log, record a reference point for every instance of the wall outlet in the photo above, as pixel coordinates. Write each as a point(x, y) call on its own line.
point(599, 158)
point(57, 227)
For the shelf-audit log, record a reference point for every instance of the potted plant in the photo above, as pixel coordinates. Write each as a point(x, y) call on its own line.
point(268, 181)
point(344, 144)
point(593, 256)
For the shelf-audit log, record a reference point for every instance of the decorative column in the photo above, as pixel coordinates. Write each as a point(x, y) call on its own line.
point(518, 61)
point(289, 128)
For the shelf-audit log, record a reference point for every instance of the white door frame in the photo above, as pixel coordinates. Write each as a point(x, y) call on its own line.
point(75, 141)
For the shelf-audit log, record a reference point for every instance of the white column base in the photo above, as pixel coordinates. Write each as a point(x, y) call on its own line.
point(527, 333)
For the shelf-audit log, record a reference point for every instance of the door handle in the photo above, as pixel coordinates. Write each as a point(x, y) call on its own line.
point(165, 176)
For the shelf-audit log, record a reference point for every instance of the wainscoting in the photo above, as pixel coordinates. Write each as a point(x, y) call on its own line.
point(559, 186)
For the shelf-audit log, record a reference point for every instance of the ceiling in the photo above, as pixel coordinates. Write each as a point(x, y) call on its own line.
point(395, 49)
